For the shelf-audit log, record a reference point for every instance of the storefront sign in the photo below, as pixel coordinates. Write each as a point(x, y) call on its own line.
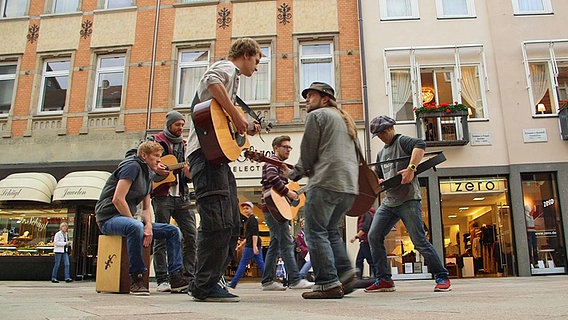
point(534, 135)
point(473, 186)
point(245, 168)
point(481, 139)
point(74, 192)
point(9, 193)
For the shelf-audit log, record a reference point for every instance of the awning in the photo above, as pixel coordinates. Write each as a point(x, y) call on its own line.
point(28, 186)
point(81, 185)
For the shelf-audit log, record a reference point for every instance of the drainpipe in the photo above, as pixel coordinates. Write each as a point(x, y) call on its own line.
point(364, 79)
point(152, 67)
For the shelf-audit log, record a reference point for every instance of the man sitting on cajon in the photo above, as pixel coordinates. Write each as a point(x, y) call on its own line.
point(129, 185)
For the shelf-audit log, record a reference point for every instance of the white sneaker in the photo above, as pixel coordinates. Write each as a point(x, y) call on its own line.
point(164, 287)
point(274, 286)
point(302, 284)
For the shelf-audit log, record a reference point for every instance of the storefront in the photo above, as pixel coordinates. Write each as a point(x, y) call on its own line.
point(29, 220)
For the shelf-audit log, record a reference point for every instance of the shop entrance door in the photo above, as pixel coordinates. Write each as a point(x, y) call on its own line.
point(87, 240)
point(477, 232)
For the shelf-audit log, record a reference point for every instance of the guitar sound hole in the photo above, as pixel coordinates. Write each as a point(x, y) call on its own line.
point(240, 139)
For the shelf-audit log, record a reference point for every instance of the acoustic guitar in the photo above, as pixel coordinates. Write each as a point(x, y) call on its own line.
point(217, 133)
point(171, 163)
point(280, 207)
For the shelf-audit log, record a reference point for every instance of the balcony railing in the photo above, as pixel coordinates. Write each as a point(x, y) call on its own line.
point(443, 129)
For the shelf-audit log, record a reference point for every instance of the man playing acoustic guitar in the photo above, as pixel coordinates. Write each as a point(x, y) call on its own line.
point(273, 177)
point(214, 183)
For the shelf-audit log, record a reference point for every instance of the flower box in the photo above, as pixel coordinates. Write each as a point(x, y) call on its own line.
point(443, 128)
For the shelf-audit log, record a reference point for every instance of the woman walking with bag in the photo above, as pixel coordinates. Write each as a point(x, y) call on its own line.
point(61, 248)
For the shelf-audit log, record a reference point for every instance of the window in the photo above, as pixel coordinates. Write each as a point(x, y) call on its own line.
point(112, 4)
point(7, 80)
point(439, 76)
point(546, 68)
point(316, 64)
point(257, 88)
point(109, 82)
point(532, 6)
point(455, 8)
point(64, 6)
point(54, 84)
point(399, 9)
point(191, 67)
point(13, 8)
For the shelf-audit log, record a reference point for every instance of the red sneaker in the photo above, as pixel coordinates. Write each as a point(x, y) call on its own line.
point(381, 286)
point(443, 285)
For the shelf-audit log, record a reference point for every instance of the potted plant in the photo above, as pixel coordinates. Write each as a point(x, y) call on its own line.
point(441, 110)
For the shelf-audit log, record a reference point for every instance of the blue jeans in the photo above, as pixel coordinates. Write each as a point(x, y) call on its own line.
point(305, 268)
point(324, 211)
point(133, 230)
point(364, 253)
point(175, 207)
point(385, 219)
point(58, 257)
point(280, 242)
point(248, 255)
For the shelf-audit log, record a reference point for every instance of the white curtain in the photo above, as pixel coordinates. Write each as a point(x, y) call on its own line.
point(531, 5)
point(62, 6)
point(539, 81)
point(188, 84)
point(399, 8)
point(455, 7)
point(401, 89)
point(471, 90)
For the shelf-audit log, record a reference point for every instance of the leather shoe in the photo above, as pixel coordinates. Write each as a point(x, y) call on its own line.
point(333, 293)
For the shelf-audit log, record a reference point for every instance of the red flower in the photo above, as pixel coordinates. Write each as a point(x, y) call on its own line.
point(448, 110)
point(445, 104)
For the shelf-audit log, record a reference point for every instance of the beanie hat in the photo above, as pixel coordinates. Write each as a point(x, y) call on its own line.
point(172, 117)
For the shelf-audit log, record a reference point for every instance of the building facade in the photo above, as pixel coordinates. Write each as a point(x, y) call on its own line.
point(486, 83)
point(81, 82)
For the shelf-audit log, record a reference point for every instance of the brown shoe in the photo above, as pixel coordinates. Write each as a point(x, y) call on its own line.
point(178, 283)
point(333, 293)
point(137, 285)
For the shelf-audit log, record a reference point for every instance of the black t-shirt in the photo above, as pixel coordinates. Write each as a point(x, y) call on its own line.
point(251, 229)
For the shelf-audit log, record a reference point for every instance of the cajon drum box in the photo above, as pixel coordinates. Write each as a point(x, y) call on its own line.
point(112, 265)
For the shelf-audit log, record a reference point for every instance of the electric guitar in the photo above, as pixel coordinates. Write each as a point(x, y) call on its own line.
point(280, 207)
point(171, 164)
point(218, 136)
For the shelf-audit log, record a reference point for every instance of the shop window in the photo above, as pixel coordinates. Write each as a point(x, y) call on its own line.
point(7, 81)
point(30, 232)
point(192, 64)
point(256, 89)
point(543, 221)
point(477, 229)
point(455, 8)
point(54, 85)
point(399, 9)
point(109, 82)
point(13, 8)
point(532, 6)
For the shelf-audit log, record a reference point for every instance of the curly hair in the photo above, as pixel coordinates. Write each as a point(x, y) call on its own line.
point(242, 46)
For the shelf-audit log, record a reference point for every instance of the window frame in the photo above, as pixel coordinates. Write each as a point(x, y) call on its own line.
point(470, 10)
point(183, 65)
point(25, 11)
point(313, 59)
point(414, 11)
point(8, 77)
point(547, 8)
point(109, 70)
point(267, 61)
point(47, 74)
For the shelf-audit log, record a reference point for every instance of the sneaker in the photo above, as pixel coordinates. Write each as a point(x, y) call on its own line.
point(302, 284)
point(333, 293)
point(218, 295)
point(68, 280)
point(442, 285)
point(164, 287)
point(178, 283)
point(274, 286)
point(381, 286)
point(138, 287)
point(54, 281)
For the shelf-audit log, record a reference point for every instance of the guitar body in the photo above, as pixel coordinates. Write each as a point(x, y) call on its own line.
point(280, 207)
point(368, 190)
point(219, 139)
point(171, 162)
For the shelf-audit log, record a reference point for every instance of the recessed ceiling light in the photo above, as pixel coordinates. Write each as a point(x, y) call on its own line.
point(464, 208)
point(453, 216)
point(479, 199)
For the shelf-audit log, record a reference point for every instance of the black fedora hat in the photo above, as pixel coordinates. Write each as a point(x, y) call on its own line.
point(321, 87)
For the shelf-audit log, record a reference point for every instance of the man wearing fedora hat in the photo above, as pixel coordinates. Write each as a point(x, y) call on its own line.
point(400, 203)
point(328, 157)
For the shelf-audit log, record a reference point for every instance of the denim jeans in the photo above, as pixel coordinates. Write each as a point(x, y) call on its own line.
point(305, 269)
point(248, 255)
point(280, 242)
point(218, 206)
point(58, 257)
point(324, 211)
point(133, 230)
point(364, 253)
point(385, 219)
point(166, 208)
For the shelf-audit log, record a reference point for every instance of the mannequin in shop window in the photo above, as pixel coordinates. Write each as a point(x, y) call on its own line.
point(531, 236)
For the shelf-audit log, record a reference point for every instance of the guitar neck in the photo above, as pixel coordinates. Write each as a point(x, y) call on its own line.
point(176, 166)
point(257, 156)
